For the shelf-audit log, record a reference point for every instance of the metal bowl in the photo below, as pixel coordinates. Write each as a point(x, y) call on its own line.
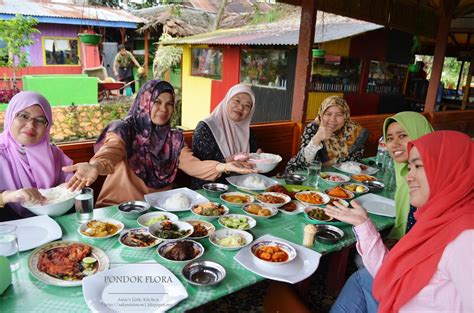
point(215, 189)
point(374, 186)
point(203, 273)
point(133, 209)
point(328, 233)
point(294, 179)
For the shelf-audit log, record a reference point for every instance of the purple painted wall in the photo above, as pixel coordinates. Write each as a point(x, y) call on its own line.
point(49, 30)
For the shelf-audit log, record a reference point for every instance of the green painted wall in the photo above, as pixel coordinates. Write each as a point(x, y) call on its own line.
point(63, 89)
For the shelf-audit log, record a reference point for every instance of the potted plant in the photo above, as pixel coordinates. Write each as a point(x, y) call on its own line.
point(90, 37)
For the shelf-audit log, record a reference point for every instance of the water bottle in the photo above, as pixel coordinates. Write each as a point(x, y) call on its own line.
point(381, 154)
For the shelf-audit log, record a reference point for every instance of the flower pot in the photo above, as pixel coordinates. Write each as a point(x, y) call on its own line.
point(90, 39)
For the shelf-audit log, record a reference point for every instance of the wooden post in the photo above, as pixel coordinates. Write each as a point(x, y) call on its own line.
point(123, 34)
point(303, 61)
point(465, 97)
point(439, 53)
point(146, 54)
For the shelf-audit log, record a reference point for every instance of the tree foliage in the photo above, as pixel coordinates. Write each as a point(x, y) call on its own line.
point(16, 33)
point(166, 56)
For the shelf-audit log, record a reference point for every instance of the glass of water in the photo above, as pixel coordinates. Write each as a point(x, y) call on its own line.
point(314, 169)
point(9, 245)
point(85, 205)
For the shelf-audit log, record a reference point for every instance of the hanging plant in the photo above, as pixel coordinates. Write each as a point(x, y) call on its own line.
point(92, 39)
point(166, 56)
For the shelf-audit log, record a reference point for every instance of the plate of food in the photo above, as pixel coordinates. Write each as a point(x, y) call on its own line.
point(259, 211)
point(237, 221)
point(201, 229)
point(251, 181)
point(312, 197)
point(317, 215)
point(292, 208)
point(100, 228)
point(339, 192)
point(175, 200)
point(209, 210)
point(353, 167)
point(357, 189)
point(66, 263)
point(230, 239)
point(180, 251)
point(237, 199)
point(363, 177)
point(148, 219)
point(333, 178)
point(171, 230)
point(138, 239)
point(273, 199)
point(281, 189)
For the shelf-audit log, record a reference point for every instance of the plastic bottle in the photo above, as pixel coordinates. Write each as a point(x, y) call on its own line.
point(381, 154)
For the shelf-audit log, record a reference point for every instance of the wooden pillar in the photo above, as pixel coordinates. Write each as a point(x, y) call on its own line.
point(438, 60)
point(303, 61)
point(146, 54)
point(466, 92)
point(123, 34)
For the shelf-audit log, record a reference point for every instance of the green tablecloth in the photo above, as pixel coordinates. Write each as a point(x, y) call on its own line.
point(29, 294)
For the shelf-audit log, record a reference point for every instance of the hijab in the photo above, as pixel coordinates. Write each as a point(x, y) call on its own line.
point(339, 144)
point(448, 160)
point(35, 166)
point(231, 137)
point(152, 151)
point(416, 125)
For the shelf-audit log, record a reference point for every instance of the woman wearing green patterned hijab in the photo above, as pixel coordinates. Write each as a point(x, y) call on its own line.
point(398, 130)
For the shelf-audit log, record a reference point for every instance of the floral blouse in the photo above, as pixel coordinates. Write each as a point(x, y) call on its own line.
point(205, 148)
point(356, 151)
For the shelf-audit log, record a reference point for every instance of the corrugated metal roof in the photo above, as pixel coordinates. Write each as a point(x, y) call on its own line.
point(277, 35)
point(68, 11)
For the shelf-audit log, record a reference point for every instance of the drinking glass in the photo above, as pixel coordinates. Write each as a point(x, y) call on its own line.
point(9, 245)
point(85, 205)
point(313, 170)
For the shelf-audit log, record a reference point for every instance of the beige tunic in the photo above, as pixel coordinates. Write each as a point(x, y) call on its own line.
point(123, 185)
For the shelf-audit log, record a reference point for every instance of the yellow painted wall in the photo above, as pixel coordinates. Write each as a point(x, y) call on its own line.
point(336, 47)
point(196, 97)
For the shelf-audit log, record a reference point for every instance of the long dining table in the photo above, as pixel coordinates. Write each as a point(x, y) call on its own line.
point(27, 293)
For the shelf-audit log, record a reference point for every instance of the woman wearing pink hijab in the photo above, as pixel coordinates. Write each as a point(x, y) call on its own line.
point(225, 134)
point(28, 161)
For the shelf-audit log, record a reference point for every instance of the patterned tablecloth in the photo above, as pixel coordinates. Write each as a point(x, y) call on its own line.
point(28, 294)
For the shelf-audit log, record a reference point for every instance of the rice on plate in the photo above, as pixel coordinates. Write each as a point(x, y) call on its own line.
point(178, 201)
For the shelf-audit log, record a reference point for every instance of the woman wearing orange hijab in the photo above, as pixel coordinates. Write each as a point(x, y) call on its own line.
point(431, 268)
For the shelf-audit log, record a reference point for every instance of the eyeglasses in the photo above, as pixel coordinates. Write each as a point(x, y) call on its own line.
point(38, 121)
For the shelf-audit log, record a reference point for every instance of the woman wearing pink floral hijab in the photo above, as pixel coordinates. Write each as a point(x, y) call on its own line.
point(28, 161)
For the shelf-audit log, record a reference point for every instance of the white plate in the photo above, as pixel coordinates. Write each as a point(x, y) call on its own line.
point(299, 208)
point(83, 227)
point(143, 231)
point(343, 177)
point(368, 171)
point(145, 217)
point(238, 181)
point(99, 254)
point(158, 199)
point(250, 220)
point(154, 289)
point(378, 205)
point(35, 231)
point(303, 266)
point(227, 232)
point(275, 194)
point(182, 226)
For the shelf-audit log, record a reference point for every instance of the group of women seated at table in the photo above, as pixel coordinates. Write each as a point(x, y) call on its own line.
point(142, 154)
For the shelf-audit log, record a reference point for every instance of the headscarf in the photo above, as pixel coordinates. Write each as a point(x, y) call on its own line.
point(231, 137)
point(339, 144)
point(152, 150)
point(35, 166)
point(416, 125)
point(448, 160)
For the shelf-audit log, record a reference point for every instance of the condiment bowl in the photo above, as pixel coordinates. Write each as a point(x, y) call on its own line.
point(165, 249)
point(148, 219)
point(216, 239)
point(329, 233)
point(215, 189)
point(133, 209)
point(203, 273)
point(374, 186)
point(265, 248)
point(294, 179)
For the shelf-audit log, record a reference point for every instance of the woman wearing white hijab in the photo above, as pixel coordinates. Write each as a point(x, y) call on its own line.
point(226, 133)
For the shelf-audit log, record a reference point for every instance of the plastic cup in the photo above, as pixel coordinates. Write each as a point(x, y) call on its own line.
point(9, 245)
point(84, 203)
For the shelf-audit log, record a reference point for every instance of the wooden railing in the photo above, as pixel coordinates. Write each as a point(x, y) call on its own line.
point(283, 138)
